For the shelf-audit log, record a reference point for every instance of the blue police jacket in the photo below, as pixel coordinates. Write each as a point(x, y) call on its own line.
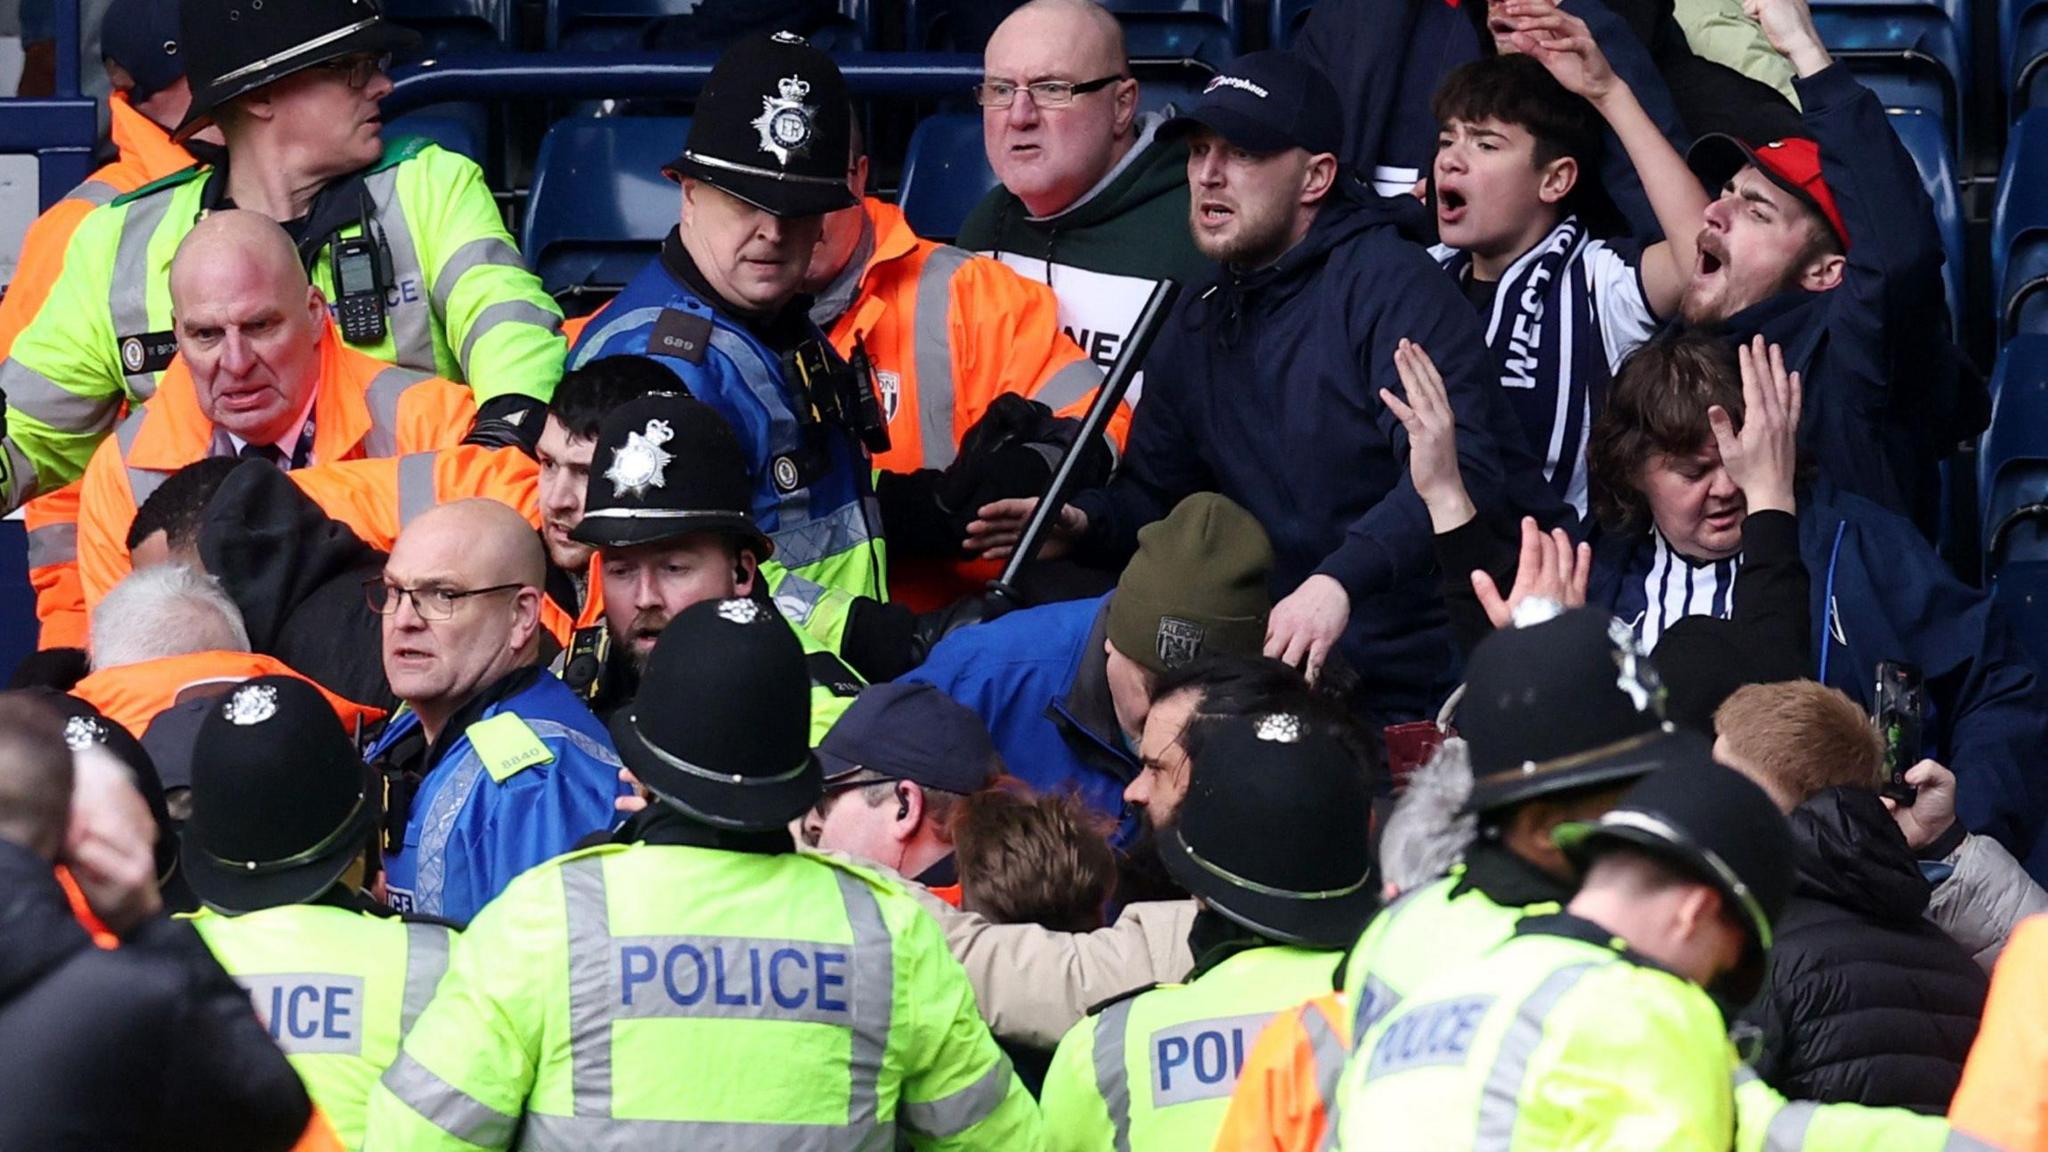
point(526, 778)
point(1036, 678)
point(1881, 592)
point(813, 491)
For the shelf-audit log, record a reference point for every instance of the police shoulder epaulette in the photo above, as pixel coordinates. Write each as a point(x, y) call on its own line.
point(832, 674)
point(1113, 1001)
point(425, 919)
point(181, 176)
point(398, 151)
point(507, 745)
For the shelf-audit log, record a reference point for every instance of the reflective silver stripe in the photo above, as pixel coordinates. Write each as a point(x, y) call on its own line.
point(128, 291)
point(142, 482)
point(937, 391)
point(796, 598)
point(587, 347)
point(95, 193)
point(952, 1115)
point(1787, 1130)
point(1964, 1142)
point(1110, 1078)
point(504, 312)
point(42, 399)
point(1326, 1051)
point(842, 531)
point(1070, 384)
point(445, 1106)
point(874, 1002)
point(52, 544)
point(426, 958)
point(1498, 1100)
point(544, 1133)
point(385, 390)
point(415, 486)
point(18, 480)
point(591, 977)
point(412, 325)
point(1368, 1011)
point(493, 250)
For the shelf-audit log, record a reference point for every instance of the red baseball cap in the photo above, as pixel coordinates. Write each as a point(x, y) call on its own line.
point(1792, 164)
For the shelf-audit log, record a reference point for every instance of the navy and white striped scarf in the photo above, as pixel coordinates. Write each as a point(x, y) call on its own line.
point(1547, 341)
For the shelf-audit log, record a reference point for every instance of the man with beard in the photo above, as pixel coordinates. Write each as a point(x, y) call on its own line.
point(667, 511)
point(1265, 386)
point(1828, 247)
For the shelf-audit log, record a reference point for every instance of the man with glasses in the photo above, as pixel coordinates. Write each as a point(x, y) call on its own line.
point(493, 765)
point(1094, 202)
point(403, 239)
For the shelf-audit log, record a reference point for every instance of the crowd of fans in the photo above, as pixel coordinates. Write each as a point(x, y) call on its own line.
point(1472, 673)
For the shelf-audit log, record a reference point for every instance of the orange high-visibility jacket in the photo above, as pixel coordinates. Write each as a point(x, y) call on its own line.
point(947, 332)
point(362, 407)
point(1283, 1097)
point(131, 695)
point(146, 154)
point(2003, 1099)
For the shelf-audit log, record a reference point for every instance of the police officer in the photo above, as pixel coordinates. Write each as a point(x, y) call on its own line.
point(1274, 837)
point(667, 508)
point(1558, 719)
point(697, 983)
point(765, 160)
point(1594, 1027)
point(402, 238)
point(279, 846)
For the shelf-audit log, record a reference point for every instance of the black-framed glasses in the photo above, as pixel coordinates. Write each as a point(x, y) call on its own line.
point(431, 602)
point(1044, 93)
point(358, 70)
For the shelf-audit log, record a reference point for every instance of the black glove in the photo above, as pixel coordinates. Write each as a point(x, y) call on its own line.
point(1012, 451)
point(509, 421)
point(916, 523)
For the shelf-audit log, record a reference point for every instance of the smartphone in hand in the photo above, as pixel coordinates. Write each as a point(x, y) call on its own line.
point(1896, 712)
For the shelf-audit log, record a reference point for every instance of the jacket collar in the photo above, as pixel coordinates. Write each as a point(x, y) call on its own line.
point(1087, 706)
point(1507, 879)
point(660, 824)
point(175, 432)
point(132, 694)
point(143, 143)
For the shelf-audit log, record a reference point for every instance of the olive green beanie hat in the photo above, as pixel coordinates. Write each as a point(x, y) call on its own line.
point(1197, 586)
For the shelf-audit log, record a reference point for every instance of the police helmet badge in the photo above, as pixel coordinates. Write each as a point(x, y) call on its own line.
point(82, 732)
point(1179, 641)
point(638, 464)
point(1279, 728)
point(1632, 674)
point(738, 611)
point(251, 704)
point(785, 120)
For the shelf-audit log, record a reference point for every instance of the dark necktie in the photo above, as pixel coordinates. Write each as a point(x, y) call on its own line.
point(268, 452)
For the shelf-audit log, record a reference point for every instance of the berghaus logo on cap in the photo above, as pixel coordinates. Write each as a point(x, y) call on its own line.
point(1237, 82)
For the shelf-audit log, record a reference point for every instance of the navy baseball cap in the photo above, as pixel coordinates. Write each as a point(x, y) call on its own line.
point(1269, 102)
point(142, 37)
point(912, 732)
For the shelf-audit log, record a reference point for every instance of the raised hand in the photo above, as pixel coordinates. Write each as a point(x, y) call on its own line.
point(1763, 458)
point(1432, 437)
point(1561, 43)
point(1788, 25)
point(1551, 568)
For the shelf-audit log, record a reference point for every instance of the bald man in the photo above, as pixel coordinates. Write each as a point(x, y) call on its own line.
point(1079, 162)
point(493, 765)
point(260, 373)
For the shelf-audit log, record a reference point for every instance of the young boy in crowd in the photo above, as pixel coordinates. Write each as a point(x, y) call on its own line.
point(1517, 132)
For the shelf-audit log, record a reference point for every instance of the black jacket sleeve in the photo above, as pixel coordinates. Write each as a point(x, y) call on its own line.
point(226, 1084)
point(1773, 609)
point(1479, 544)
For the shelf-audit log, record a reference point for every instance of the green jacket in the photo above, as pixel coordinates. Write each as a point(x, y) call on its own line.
point(1155, 1071)
point(660, 995)
point(461, 305)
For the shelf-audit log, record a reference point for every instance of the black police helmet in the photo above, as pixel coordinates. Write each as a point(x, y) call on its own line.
point(667, 465)
point(233, 47)
point(721, 727)
point(772, 128)
point(281, 801)
point(1276, 831)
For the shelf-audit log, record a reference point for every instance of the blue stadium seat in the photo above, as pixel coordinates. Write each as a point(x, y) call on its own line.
point(1927, 142)
point(456, 25)
point(945, 173)
point(2021, 589)
point(1204, 30)
point(600, 25)
point(1287, 18)
point(2019, 229)
point(1912, 53)
point(2012, 458)
point(600, 205)
point(17, 600)
point(2023, 53)
point(451, 127)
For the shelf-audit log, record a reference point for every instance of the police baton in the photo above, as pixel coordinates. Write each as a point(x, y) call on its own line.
point(1002, 591)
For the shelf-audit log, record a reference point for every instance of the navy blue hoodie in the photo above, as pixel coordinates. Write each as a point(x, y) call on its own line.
point(1881, 592)
point(1264, 386)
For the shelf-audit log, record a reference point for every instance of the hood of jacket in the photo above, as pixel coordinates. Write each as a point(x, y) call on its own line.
point(1851, 854)
point(35, 922)
point(271, 546)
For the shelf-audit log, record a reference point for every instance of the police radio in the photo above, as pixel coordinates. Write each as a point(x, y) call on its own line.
point(838, 392)
point(359, 289)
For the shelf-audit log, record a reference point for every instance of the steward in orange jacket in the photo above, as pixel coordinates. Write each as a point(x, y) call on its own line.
point(947, 333)
point(132, 695)
point(362, 407)
point(1288, 1083)
point(145, 155)
point(2003, 1099)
